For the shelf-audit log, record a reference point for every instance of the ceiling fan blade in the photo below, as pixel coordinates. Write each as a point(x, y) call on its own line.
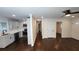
point(69, 12)
point(75, 12)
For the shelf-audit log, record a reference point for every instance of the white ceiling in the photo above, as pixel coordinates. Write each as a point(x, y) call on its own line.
point(22, 12)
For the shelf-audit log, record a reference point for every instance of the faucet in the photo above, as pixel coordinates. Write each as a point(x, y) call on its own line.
point(3, 32)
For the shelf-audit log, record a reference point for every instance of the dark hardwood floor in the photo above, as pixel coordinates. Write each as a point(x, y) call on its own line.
point(48, 44)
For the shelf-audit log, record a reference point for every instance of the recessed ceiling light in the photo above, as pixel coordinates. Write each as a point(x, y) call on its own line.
point(76, 23)
point(73, 16)
point(68, 15)
point(14, 15)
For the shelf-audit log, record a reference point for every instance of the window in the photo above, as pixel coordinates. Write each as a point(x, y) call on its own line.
point(3, 26)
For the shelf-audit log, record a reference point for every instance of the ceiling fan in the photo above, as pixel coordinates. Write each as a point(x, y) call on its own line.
point(69, 12)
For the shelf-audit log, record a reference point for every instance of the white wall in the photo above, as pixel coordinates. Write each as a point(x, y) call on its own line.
point(75, 29)
point(70, 28)
point(48, 28)
point(66, 28)
point(32, 28)
point(29, 32)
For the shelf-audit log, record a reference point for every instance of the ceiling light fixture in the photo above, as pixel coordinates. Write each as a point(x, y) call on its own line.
point(68, 15)
point(73, 16)
point(14, 15)
point(76, 23)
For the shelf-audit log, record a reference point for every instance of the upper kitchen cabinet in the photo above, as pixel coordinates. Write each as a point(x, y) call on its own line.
point(8, 24)
point(13, 24)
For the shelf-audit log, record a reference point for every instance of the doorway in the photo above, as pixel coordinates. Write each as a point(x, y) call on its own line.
point(40, 27)
point(58, 29)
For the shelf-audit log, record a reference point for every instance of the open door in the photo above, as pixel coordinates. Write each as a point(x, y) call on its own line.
point(58, 29)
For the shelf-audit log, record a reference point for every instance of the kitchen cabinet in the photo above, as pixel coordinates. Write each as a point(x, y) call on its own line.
point(6, 40)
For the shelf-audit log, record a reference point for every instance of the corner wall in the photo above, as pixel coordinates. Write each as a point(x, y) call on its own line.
point(48, 28)
point(75, 29)
point(32, 28)
point(66, 28)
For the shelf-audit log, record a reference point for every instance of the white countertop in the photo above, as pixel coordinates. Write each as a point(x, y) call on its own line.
point(14, 31)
